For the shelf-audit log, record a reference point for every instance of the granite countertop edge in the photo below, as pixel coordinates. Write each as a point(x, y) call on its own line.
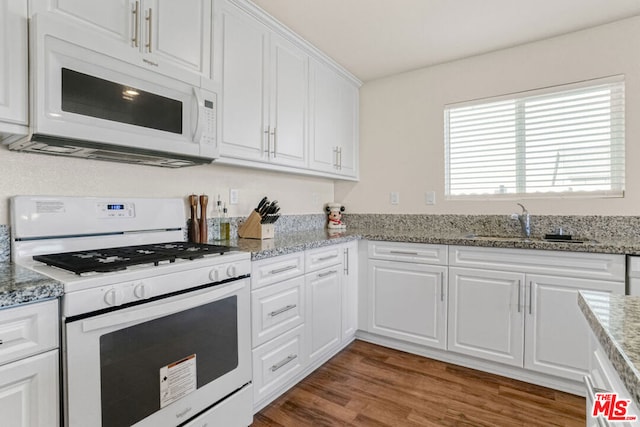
point(617, 356)
point(19, 286)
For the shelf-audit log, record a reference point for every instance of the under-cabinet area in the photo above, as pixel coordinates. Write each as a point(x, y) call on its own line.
point(507, 311)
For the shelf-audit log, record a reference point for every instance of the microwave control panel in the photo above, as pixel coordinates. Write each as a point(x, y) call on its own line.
point(209, 110)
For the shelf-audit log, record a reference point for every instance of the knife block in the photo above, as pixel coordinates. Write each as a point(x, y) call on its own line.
point(252, 229)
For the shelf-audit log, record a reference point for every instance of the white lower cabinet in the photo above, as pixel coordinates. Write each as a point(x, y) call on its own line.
point(485, 314)
point(523, 311)
point(29, 366)
point(408, 301)
point(324, 310)
point(304, 310)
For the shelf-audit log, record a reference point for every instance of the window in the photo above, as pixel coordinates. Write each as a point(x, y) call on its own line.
point(561, 141)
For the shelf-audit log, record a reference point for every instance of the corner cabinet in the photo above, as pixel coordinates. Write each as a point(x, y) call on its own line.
point(334, 140)
point(408, 292)
point(265, 93)
point(285, 106)
point(172, 38)
point(29, 365)
point(13, 69)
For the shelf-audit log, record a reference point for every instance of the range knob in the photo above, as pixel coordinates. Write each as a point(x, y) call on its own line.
point(141, 290)
point(113, 297)
point(231, 270)
point(214, 275)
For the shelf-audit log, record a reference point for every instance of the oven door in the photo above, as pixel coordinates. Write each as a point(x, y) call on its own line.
point(159, 363)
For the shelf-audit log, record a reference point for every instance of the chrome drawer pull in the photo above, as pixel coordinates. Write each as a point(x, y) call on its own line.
point(282, 270)
point(284, 362)
point(403, 253)
point(1, 342)
point(327, 273)
point(324, 258)
point(282, 310)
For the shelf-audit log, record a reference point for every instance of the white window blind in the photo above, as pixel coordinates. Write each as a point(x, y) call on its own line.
point(560, 141)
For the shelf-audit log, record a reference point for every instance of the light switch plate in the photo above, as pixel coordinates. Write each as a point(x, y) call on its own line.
point(430, 197)
point(233, 197)
point(394, 198)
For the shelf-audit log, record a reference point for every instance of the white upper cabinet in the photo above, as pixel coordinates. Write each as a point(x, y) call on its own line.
point(173, 38)
point(13, 68)
point(265, 93)
point(334, 140)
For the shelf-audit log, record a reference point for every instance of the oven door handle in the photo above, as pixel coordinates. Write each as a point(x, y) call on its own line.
point(161, 308)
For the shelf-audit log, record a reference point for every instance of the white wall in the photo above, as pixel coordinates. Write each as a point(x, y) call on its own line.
point(34, 174)
point(401, 121)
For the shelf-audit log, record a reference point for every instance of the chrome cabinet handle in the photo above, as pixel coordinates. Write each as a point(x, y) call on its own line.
point(135, 15)
point(274, 133)
point(441, 287)
point(149, 30)
point(519, 295)
point(327, 273)
point(1, 342)
point(403, 253)
point(335, 158)
point(530, 296)
point(282, 310)
point(339, 158)
point(282, 270)
point(591, 391)
point(345, 260)
point(268, 134)
point(279, 365)
point(325, 258)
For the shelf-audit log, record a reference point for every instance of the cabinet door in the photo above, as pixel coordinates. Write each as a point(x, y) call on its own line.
point(180, 33)
point(408, 302)
point(334, 130)
point(114, 18)
point(350, 290)
point(245, 132)
point(486, 314)
point(323, 323)
point(557, 334)
point(13, 66)
point(289, 103)
point(29, 391)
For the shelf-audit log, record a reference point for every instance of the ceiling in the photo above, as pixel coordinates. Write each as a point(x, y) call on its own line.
point(377, 38)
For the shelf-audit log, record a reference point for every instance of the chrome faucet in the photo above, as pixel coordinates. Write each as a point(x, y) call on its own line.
point(525, 221)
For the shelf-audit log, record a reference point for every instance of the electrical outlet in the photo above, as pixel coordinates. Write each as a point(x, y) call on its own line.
point(394, 198)
point(233, 197)
point(430, 197)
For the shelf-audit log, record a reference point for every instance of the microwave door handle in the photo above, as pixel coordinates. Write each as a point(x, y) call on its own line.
point(199, 115)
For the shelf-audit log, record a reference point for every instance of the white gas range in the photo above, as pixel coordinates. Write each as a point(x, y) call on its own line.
point(156, 330)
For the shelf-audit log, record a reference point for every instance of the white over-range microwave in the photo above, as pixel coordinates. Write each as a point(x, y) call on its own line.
point(86, 102)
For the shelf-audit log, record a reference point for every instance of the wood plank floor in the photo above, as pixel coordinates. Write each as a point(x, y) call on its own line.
point(369, 385)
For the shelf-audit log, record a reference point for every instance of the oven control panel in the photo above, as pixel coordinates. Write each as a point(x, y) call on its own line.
point(116, 210)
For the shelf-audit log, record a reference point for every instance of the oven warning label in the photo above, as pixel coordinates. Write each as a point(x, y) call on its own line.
point(177, 380)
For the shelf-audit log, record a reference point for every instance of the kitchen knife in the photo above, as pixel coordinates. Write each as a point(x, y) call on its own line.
point(264, 201)
point(264, 209)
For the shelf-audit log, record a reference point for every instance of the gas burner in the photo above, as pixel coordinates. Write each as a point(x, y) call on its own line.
point(116, 259)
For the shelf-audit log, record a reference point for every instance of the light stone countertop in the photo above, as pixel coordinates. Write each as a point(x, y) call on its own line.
point(615, 320)
point(19, 285)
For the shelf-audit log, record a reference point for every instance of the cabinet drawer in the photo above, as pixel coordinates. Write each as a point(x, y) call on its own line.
point(272, 270)
point(276, 309)
point(559, 263)
point(409, 252)
point(277, 362)
point(319, 258)
point(28, 330)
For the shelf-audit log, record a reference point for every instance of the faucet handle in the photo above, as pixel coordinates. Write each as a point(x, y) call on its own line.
point(524, 210)
point(515, 216)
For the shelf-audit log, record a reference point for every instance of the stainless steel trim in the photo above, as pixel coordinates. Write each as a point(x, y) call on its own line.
point(283, 310)
point(283, 269)
point(283, 362)
point(327, 273)
point(135, 13)
point(149, 30)
point(403, 253)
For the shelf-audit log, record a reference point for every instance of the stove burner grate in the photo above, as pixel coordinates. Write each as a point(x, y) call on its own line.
point(116, 259)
